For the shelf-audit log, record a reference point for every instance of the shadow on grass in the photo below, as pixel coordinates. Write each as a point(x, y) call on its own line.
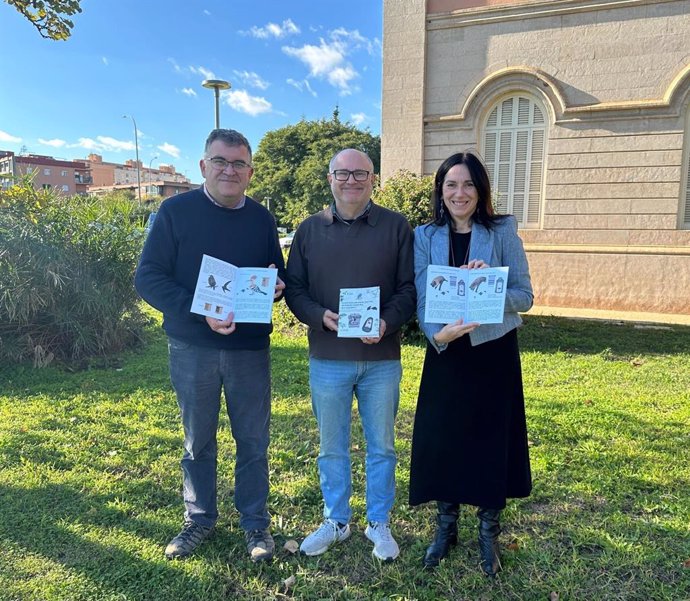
point(61, 524)
point(553, 334)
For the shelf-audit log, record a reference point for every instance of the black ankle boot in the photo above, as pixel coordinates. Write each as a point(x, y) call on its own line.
point(446, 534)
point(489, 529)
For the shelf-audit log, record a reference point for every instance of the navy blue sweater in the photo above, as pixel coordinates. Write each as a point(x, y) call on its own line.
point(188, 226)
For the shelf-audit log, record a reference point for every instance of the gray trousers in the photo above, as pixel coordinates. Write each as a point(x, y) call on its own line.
point(198, 375)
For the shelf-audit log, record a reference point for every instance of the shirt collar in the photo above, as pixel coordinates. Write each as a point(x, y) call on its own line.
point(363, 215)
point(213, 200)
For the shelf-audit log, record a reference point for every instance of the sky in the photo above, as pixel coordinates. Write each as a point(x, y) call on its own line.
point(146, 59)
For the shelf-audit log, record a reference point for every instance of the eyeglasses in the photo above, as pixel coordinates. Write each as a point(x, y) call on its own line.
point(342, 175)
point(220, 164)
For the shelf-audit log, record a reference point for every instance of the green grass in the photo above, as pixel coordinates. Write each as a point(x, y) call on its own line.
point(90, 483)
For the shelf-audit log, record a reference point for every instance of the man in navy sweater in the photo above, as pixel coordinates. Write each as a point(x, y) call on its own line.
point(208, 355)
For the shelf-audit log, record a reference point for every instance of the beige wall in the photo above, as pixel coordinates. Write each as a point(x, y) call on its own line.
point(614, 79)
point(403, 85)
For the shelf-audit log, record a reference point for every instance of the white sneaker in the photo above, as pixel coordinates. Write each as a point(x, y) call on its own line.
point(385, 547)
point(326, 535)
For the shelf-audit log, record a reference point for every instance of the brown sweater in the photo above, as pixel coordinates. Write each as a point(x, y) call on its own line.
point(328, 254)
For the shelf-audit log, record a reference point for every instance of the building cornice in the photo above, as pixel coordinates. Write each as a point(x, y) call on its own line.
point(481, 15)
point(534, 80)
point(600, 249)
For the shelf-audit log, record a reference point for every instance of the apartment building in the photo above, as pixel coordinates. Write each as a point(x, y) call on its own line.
point(69, 177)
point(92, 175)
point(580, 110)
point(160, 181)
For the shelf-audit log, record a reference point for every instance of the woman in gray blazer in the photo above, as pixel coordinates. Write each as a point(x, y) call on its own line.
point(470, 435)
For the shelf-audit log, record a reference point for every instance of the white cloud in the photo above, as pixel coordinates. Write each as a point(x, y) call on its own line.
point(340, 77)
point(207, 73)
point(320, 59)
point(105, 60)
point(103, 143)
point(177, 67)
point(188, 91)
point(55, 142)
point(309, 89)
point(354, 40)
point(243, 102)
point(327, 61)
point(252, 79)
point(358, 118)
point(272, 30)
point(170, 149)
point(5, 137)
point(207, 12)
point(114, 144)
point(301, 86)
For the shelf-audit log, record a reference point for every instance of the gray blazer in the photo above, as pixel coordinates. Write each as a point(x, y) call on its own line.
point(497, 247)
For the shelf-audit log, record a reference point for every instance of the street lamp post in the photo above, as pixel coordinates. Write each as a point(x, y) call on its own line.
point(136, 148)
point(216, 85)
point(150, 162)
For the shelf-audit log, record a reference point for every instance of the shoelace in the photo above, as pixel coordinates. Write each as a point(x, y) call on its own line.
point(192, 532)
point(383, 530)
point(257, 536)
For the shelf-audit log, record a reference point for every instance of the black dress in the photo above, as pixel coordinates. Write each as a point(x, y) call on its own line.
point(470, 435)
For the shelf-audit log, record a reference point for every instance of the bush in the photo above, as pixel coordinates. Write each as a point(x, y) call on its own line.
point(409, 194)
point(66, 270)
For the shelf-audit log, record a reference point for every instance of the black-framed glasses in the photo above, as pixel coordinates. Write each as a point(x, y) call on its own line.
point(342, 175)
point(220, 164)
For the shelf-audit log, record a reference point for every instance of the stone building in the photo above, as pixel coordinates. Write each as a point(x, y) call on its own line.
point(580, 109)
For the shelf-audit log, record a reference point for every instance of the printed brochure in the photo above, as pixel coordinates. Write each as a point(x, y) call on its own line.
point(358, 313)
point(247, 291)
point(476, 295)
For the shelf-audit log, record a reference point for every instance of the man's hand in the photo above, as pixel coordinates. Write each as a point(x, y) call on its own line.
point(222, 326)
point(382, 330)
point(280, 285)
point(330, 320)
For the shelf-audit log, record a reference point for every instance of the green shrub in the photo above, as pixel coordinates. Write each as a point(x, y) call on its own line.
point(66, 270)
point(409, 194)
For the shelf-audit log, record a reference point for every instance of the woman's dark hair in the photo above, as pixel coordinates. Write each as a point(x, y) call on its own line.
point(484, 213)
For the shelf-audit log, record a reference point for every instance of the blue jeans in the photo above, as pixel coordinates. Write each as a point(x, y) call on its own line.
point(198, 375)
point(376, 384)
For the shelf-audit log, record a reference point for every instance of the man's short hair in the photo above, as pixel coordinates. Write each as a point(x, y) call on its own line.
point(230, 137)
point(337, 154)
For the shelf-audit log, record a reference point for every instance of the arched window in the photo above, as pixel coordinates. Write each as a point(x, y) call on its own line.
point(514, 151)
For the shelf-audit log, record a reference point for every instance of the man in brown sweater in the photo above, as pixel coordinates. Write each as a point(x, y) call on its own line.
point(354, 243)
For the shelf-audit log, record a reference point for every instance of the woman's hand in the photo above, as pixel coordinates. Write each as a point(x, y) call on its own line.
point(476, 264)
point(452, 331)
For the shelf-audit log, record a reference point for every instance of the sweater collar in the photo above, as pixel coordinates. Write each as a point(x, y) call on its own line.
point(370, 214)
point(239, 205)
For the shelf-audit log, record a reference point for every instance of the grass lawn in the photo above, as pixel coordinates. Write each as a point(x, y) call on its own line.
point(90, 483)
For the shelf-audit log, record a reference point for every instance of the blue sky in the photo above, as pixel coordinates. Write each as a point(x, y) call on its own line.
point(286, 60)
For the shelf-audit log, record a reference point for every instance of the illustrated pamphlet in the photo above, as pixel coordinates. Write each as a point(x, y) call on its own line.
point(358, 313)
point(247, 291)
point(476, 295)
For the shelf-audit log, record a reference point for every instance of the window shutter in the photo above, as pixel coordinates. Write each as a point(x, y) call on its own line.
point(686, 204)
point(514, 149)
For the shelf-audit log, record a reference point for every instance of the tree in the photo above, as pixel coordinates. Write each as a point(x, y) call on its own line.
point(291, 164)
point(49, 17)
